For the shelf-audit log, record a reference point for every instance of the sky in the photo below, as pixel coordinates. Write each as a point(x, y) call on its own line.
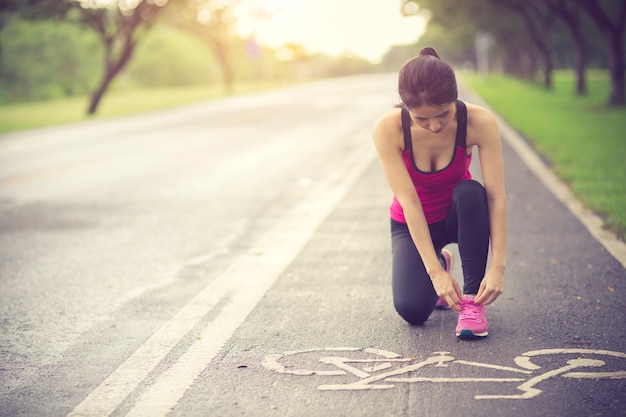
point(365, 28)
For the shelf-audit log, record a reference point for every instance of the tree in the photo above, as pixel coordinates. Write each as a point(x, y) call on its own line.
point(569, 11)
point(613, 32)
point(539, 17)
point(538, 21)
point(213, 25)
point(461, 20)
point(213, 22)
point(119, 28)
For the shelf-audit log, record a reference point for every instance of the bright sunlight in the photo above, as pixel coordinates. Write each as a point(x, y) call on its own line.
point(335, 27)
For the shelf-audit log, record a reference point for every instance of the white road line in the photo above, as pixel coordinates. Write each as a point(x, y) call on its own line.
point(239, 289)
point(590, 220)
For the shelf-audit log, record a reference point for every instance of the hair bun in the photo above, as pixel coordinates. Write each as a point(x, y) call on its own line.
point(428, 51)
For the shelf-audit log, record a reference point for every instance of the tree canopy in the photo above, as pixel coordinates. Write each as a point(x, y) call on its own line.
point(100, 39)
point(531, 34)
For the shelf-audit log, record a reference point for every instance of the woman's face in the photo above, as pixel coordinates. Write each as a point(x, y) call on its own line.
point(433, 118)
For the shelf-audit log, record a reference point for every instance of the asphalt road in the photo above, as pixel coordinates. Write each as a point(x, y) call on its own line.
point(231, 258)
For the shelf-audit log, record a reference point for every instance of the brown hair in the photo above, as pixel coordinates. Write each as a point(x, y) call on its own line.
point(426, 79)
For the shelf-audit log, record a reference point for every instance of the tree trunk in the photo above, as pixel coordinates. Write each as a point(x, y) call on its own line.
point(580, 62)
point(613, 36)
point(114, 26)
point(546, 55)
point(528, 63)
point(111, 71)
point(229, 79)
point(96, 97)
point(569, 15)
point(616, 67)
point(221, 52)
point(532, 18)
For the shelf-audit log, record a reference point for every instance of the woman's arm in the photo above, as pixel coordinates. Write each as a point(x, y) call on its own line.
point(388, 139)
point(483, 132)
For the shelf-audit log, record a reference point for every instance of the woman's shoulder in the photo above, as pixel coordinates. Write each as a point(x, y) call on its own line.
point(481, 124)
point(391, 119)
point(388, 127)
point(479, 115)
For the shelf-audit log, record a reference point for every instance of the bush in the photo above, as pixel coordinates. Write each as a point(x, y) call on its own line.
point(47, 60)
point(170, 58)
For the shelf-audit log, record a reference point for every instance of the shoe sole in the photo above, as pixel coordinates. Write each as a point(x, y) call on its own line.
point(469, 335)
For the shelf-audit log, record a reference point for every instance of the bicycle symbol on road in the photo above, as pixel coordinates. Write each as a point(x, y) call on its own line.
point(381, 369)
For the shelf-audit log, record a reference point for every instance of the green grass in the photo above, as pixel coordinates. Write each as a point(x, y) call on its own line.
point(582, 137)
point(23, 116)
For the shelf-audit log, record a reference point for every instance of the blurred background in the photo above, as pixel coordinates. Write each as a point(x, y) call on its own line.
point(54, 49)
point(553, 68)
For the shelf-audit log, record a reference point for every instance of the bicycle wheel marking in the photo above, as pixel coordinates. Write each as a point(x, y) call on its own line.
point(382, 369)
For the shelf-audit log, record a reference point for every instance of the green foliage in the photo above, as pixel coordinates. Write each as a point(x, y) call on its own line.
point(47, 60)
point(170, 58)
point(50, 60)
point(396, 56)
point(454, 44)
point(454, 24)
point(581, 137)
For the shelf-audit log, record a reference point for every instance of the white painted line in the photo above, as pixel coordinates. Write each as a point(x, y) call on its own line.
point(454, 380)
point(239, 289)
point(590, 220)
point(498, 367)
point(566, 351)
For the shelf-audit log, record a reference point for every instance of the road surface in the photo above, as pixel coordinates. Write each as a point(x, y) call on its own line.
point(231, 258)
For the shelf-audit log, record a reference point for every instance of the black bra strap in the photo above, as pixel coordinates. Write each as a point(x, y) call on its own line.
point(406, 129)
point(461, 127)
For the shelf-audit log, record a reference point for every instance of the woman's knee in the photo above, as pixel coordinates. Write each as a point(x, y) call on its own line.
point(412, 312)
point(470, 194)
point(469, 189)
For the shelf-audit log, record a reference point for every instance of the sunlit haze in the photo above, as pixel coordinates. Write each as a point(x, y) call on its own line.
point(334, 27)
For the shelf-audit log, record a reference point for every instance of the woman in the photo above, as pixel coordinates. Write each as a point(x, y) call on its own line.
point(425, 147)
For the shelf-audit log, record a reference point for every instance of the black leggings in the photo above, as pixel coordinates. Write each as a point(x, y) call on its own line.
point(467, 224)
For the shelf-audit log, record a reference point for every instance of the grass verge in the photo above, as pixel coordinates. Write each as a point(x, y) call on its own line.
point(582, 137)
point(24, 116)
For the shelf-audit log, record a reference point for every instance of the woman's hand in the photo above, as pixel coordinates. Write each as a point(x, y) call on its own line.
point(447, 287)
point(491, 287)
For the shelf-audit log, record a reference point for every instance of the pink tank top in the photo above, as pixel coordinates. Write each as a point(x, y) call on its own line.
point(435, 188)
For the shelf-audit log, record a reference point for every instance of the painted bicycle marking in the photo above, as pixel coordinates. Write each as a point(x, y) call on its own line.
point(382, 369)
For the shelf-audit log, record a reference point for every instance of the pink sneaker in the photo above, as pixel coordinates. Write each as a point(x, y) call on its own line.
point(446, 255)
point(472, 320)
